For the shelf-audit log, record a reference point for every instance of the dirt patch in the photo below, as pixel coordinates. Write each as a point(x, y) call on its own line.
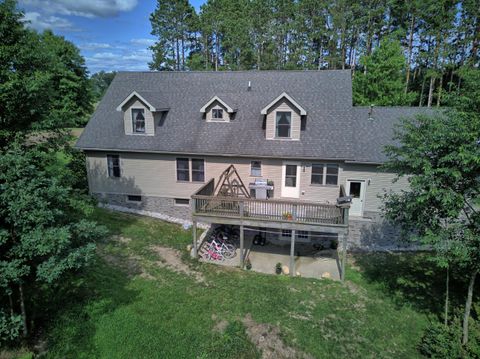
point(220, 324)
point(172, 258)
point(266, 338)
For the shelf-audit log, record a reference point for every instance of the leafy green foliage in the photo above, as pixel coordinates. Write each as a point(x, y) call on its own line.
point(43, 78)
point(440, 156)
point(382, 82)
point(44, 235)
point(440, 341)
point(100, 82)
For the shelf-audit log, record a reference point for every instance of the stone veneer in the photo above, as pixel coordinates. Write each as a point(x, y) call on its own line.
point(148, 203)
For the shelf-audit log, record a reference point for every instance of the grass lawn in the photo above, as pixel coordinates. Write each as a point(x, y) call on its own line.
point(131, 304)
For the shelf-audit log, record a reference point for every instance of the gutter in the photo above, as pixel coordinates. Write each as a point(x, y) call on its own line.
point(87, 149)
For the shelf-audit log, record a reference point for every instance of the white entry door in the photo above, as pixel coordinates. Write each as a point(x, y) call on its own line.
point(356, 189)
point(291, 179)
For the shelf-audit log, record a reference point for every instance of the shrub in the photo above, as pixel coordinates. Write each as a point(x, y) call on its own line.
point(278, 268)
point(439, 341)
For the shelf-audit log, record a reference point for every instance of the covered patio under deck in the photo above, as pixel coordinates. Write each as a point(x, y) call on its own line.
point(291, 215)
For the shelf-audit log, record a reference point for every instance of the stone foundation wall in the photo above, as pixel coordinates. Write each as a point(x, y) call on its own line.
point(162, 205)
point(374, 233)
point(369, 233)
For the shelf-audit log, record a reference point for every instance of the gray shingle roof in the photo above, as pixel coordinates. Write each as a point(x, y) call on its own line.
point(372, 133)
point(334, 129)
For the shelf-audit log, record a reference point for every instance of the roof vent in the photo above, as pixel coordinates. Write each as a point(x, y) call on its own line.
point(370, 113)
point(249, 86)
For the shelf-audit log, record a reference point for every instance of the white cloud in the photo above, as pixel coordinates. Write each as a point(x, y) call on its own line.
point(120, 58)
point(41, 22)
point(143, 42)
point(91, 46)
point(84, 8)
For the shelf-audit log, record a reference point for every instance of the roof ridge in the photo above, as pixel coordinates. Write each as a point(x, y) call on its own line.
point(232, 71)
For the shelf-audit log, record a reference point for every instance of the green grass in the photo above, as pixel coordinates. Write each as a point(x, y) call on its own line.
point(123, 313)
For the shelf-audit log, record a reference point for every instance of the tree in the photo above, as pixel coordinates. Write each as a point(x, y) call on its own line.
point(44, 235)
point(173, 23)
point(100, 82)
point(43, 231)
point(440, 155)
point(43, 79)
point(382, 82)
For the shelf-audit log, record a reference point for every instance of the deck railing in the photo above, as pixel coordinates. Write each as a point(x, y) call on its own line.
point(269, 210)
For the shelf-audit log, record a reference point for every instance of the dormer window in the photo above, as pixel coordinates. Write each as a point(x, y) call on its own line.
point(283, 124)
point(138, 120)
point(217, 114)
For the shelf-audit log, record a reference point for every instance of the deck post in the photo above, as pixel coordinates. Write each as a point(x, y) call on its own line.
point(344, 256)
point(242, 248)
point(195, 249)
point(292, 254)
point(344, 243)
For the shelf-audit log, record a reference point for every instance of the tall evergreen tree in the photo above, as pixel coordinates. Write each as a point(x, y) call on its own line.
point(382, 82)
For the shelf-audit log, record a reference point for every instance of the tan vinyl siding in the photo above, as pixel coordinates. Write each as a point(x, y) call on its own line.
point(209, 114)
point(287, 106)
point(379, 182)
point(127, 117)
point(155, 175)
point(315, 192)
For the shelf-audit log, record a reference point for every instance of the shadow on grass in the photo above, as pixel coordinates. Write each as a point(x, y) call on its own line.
point(411, 278)
point(101, 289)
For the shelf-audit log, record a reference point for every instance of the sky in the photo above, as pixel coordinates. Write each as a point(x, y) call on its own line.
point(112, 35)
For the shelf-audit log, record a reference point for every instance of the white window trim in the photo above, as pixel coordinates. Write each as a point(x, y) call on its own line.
point(289, 138)
point(181, 205)
point(119, 165)
point(190, 171)
point(132, 120)
point(251, 168)
point(324, 176)
point(225, 117)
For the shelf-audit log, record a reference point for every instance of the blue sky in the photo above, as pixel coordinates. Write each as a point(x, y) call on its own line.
point(113, 35)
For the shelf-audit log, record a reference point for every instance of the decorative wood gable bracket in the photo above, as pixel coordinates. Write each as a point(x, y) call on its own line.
point(303, 112)
point(218, 99)
point(137, 95)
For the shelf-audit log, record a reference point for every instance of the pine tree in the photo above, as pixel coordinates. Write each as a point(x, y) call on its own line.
point(383, 81)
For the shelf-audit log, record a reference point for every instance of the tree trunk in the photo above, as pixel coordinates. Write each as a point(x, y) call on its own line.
point(433, 78)
point(447, 283)
point(11, 303)
point(421, 92)
point(440, 87)
point(23, 310)
point(409, 55)
point(468, 307)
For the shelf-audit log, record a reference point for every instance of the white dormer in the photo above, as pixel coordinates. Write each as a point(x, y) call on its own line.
point(283, 118)
point(217, 110)
point(138, 115)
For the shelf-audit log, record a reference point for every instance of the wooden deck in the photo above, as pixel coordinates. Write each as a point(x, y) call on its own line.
point(205, 204)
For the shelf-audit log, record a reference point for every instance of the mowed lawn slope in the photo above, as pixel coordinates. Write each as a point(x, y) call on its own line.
point(144, 298)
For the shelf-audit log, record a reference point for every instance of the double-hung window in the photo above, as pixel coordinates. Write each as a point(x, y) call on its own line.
point(195, 171)
point(138, 120)
point(283, 124)
point(113, 164)
point(198, 170)
point(183, 170)
point(324, 174)
point(256, 168)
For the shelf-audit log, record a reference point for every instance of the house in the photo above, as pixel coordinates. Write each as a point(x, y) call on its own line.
point(160, 142)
